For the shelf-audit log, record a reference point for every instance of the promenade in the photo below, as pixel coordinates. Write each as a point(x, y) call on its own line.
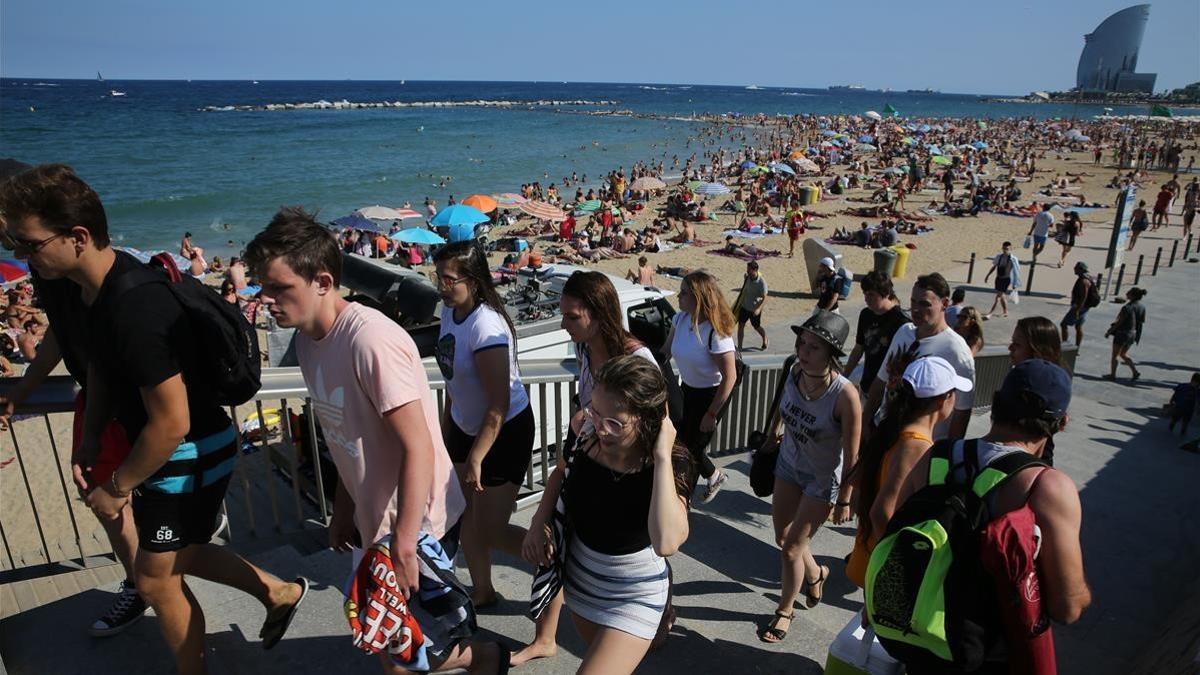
point(1141, 539)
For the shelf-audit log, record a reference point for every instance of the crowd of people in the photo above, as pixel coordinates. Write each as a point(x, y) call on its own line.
point(417, 491)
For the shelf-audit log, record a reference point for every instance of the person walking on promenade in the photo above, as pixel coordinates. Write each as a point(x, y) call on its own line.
point(821, 419)
point(701, 340)
point(877, 323)
point(624, 487)
point(1126, 331)
point(1029, 409)
point(1139, 222)
point(1077, 315)
point(487, 421)
point(1191, 195)
point(1007, 269)
point(148, 375)
point(1040, 229)
point(1072, 227)
point(379, 418)
point(750, 302)
point(31, 203)
point(930, 297)
point(1162, 203)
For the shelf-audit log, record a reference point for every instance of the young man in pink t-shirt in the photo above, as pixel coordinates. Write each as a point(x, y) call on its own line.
point(379, 419)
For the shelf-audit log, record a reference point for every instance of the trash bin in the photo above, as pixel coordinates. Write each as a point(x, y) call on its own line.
point(901, 261)
point(808, 195)
point(885, 261)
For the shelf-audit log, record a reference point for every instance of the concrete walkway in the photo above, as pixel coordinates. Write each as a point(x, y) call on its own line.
point(1141, 542)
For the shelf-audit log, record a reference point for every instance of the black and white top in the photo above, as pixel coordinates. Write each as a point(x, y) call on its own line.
point(458, 344)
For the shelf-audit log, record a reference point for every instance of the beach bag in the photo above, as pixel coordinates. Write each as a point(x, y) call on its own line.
point(228, 344)
point(763, 461)
point(1093, 295)
point(928, 595)
point(855, 651)
point(844, 283)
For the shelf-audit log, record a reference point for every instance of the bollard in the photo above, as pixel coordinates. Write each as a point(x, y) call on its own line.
point(1157, 259)
point(1029, 281)
point(1187, 249)
point(971, 269)
point(1174, 248)
point(1137, 275)
point(1120, 278)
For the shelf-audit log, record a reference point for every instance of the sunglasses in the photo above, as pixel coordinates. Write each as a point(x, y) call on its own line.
point(610, 425)
point(24, 246)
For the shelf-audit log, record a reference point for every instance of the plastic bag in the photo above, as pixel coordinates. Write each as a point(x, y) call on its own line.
point(1014, 297)
point(1028, 242)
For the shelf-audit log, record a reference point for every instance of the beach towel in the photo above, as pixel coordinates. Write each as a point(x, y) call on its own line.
point(743, 234)
point(744, 255)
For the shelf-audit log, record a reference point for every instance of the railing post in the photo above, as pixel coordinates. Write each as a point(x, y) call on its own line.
point(971, 269)
point(1120, 278)
point(1157, 259)
point(311, 437)
point(1029, 281)
point(1174, 248)
point(1137, 275)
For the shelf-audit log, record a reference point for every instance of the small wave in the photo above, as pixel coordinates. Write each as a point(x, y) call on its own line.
point(359, 105)
point(44, 84)
point(649, 88)
point(795, 93)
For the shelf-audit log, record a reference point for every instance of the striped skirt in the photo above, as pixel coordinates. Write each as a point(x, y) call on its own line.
point(626, 592)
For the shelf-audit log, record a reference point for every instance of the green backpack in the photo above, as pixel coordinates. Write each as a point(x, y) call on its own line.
point(932, 604)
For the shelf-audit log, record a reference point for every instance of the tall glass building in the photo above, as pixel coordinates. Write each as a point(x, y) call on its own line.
point(1110, 54)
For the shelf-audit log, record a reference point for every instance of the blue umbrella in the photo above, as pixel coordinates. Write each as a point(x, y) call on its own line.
point(461, 232)
point(979, 145)
point(780, 167)
point(357, 222)
point(712, 189)
point(866, 138)
point(418, 235)
point(459, 214)
point(933, 149)
point(829, 133)
point(748, 164)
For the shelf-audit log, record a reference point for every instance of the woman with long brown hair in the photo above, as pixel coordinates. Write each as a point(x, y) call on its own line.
point(701, 340)
point(1035, 337)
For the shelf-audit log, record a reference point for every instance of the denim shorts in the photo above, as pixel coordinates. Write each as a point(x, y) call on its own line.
point(823, 487)
point(1074, 318)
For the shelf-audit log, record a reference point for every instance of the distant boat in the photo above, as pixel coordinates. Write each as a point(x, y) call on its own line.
point(99, 77)
point(401, 81)
point(253, 81)
point(847, 87)
point(114, 92)
point(922, 91)
point(754, 87)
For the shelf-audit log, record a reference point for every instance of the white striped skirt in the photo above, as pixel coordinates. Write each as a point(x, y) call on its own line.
point(626, 592)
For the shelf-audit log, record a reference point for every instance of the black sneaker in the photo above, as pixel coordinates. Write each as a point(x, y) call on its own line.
point(128, 608)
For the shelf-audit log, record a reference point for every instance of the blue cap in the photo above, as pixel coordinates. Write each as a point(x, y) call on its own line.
point(1037, 388)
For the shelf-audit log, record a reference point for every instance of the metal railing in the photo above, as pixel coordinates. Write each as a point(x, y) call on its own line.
point(282, 483)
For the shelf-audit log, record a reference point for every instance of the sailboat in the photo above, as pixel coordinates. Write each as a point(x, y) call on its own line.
point(99, 77)
point(114, 92)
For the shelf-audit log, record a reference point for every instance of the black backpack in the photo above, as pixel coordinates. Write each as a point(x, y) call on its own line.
point(1093, 295)
point(228, 344)
point(928, 597)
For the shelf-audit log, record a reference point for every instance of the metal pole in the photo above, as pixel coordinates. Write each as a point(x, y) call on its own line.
point(1120, 278)
point(1137, 275)
point(1157, 259)
point(1174, 248)
point(1187, 249)
point(971, 269)
point(1029, 281)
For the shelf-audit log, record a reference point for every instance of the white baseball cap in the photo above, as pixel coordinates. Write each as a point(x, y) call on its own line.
point(933, 376)
point(828, 262)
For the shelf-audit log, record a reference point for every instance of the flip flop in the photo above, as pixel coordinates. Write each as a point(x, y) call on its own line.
point(811, 600)
point(496, 600)
point(274, 627)
point(772, 634)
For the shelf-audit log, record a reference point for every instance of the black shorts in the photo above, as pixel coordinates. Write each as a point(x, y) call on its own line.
point(744, 315)
point(170, 522)
point(508, 460)
point(1003, 284)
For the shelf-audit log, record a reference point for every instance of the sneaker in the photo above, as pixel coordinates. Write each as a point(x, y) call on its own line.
point(714, 486)
point(128, 608)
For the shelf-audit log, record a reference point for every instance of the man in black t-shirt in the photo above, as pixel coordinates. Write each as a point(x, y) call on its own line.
point(143, 369)
point(877, 323)
point(1077, 315)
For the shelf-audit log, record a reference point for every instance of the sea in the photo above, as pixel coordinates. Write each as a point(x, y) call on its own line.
point(207, 157)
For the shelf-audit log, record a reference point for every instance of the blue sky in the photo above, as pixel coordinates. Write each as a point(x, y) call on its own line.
point(952, 45)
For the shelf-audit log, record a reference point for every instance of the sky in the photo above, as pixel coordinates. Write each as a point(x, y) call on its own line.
point(954, 46)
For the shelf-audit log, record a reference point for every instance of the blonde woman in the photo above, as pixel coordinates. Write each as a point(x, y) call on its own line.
point(969, 325)
point(701, 340)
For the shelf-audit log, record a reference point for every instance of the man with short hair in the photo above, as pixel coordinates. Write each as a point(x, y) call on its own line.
point(1040, 230)
point(1077, 314)
point(147, 374)
point(957, 299)
point(379, 417)
point(1030, 407)
point(1007, 269)
point(927, 335)
point(750, 304)
point(877, 324)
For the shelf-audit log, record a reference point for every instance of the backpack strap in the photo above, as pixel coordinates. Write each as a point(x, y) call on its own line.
point(941, 462)
point(1000, 472)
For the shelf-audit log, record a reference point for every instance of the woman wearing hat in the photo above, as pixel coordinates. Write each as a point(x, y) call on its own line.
point(821, 417)
point(924, 397)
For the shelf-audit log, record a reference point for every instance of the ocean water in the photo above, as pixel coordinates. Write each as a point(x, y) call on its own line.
point(163, 165)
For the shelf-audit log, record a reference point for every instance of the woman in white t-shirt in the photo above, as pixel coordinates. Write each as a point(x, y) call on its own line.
point(701, 340)
point(487, 422)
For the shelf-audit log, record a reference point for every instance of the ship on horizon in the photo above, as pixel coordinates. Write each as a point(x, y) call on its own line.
point(921, 91)
point(847, 87)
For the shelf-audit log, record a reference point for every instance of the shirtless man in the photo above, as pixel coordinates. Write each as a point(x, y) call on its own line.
point(643, 276)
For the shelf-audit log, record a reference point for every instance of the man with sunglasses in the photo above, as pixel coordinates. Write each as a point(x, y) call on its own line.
point(135, 351)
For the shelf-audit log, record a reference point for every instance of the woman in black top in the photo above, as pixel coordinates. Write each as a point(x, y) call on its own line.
point(1126, 331)
point(624, 491)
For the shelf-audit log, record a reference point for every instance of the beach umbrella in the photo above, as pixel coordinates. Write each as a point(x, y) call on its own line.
point(712, 189)
point(378, 212)
point(933, 149)
point(829, 133)
point(865, 147)
point(780, 167)
point(460, 232)
point(144, 257)
point(13, 271)
point(874, 115)
point(407, 213)
point(646, 184)
point(807, 165)
point(748, 164)
point(418, 235)
point(482, 202)
point(510, 199)
point(543, 211)
point(459, 214)
point(796, 154)
point(941, 159)
point(758, 169)
point(834, 143)
point(979, 145)
point(357, 222)
point(908, 140)
point(866, 138)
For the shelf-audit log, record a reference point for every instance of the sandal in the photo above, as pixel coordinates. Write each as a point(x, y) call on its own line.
point(278, 622)
point(811, 600)
point(772, 633)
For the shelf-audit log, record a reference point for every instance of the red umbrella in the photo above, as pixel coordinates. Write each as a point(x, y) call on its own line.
point(12, 271)
point(543, 211)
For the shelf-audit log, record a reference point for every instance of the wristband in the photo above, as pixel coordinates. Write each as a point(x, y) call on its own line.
point(842, 504)
point(116, 489)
